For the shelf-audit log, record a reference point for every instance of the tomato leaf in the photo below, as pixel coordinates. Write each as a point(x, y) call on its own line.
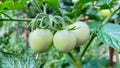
point(93, 25)
point(53, 4)
point(40, 2)
point(7, 60)
point(10, 5)
point(79, 6)
point(110, 34)
point(103, 2)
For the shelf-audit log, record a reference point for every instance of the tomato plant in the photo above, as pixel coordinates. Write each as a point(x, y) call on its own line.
point(59, 33)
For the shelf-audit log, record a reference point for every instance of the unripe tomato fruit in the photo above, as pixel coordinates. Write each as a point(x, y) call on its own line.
point(64, 40)
point(105, 13)
point(40, 40)
point(82, 32)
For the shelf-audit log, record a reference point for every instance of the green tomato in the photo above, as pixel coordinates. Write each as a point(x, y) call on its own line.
point(40, 40)
point(105, 13)
point(75, 1)
point(64, 41)
point(82, 32)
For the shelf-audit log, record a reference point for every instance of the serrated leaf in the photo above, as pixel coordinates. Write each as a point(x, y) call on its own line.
point(13, 5)
point(16, 61)
point(110, 34)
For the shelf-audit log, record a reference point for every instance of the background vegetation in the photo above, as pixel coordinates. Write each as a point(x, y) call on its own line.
point(16, 15)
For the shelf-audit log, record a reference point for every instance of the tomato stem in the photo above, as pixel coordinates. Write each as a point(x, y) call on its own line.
point(111, 51)
point(72, 57)
point(35, 4)
point(7, 15)
point(37, 55)
point(117, 58)
point(17, 19)
point(45, 8)
point(88, 44)
point(77, 63)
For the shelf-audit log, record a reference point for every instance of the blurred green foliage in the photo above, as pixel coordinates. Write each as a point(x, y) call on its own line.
point(13, 53)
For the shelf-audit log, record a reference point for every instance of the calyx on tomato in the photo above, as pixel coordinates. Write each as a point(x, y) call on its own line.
point(82, 32)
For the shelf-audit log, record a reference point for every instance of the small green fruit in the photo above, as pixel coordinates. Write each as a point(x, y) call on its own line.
point(64, 41)
point(105, 13)
point(82, 32)
point(40, 40)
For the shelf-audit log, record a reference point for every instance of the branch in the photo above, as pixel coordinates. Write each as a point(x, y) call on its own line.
point(77, 63)
point(17, 19)
point(88, 44)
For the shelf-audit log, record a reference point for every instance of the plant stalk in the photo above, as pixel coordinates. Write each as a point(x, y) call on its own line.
point(37, 55)
point(77, 63)
point(17, 19)
point(117, 58)
point(36, 5)
point(111, 51)
point(5, 19)
point(88, 44)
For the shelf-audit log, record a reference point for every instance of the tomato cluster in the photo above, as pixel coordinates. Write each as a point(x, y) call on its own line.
point(65, 40)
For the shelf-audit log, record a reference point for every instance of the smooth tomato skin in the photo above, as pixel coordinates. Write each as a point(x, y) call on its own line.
point(82, 32)
point(105, 13)
point(64, 41)
point(40, 40)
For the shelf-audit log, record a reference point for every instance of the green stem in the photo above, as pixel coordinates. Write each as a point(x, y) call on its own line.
point(37, 55)
point(72, 57)
point(37, 6)
point(88, 44)
point(17, 19)
point(117, 58)
point(45, 9)
point(77, 63)
point(7, 15)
